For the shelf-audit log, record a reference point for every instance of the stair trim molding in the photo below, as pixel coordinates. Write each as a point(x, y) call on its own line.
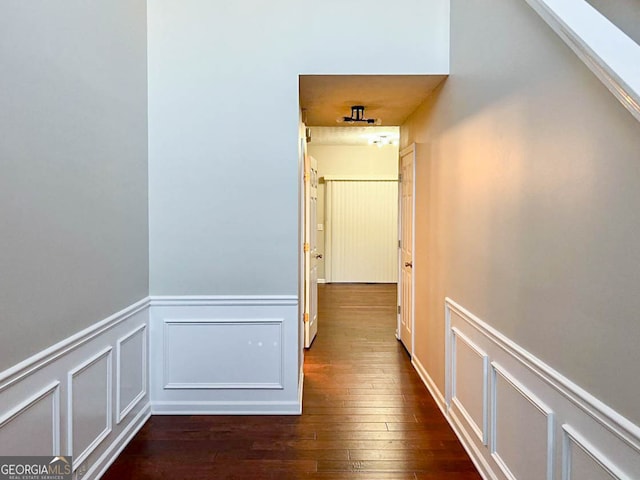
point(610, 54)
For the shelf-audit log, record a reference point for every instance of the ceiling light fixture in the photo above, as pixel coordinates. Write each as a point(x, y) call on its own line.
point(357, 116)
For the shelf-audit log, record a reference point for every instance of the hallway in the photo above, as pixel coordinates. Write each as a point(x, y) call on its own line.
point(366, 414)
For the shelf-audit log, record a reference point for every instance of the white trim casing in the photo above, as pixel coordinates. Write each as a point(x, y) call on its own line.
point(610, 54)
point(223, 300)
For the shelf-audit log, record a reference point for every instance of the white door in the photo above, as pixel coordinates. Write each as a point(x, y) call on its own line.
point(311, 250)
point(406, 226)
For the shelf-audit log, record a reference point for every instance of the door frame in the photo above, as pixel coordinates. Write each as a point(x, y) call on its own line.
point(311, 255)
point(411, 149)
point(302, 149)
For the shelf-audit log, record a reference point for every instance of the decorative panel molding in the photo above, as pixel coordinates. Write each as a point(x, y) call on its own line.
point(226, 355)
point(521, 422)
point(219, 354)
point(131, 371)
point(582, 460)
point(81, 368)
point(528, 401)
point(616, 424)
point(469, 382)
point(89, 403)
point(35, 421)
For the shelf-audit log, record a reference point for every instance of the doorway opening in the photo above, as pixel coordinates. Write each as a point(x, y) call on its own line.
point(337, 185)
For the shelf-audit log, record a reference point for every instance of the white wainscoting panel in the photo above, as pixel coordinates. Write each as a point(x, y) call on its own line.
point(231, 354)
point(539, 424)
point(582, 460)
point(520, 420)
point(35, 422)
point(89, 405)
point(469, 384)
point(131, 370)
point(80, 371)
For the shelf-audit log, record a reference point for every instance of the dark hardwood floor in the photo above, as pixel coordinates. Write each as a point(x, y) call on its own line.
point(366, 416)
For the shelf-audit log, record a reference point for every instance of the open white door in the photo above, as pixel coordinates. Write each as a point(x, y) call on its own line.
point(406, 227)
point(311, 250)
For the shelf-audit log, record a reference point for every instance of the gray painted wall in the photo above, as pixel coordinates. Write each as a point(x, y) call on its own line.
point(529, 171)
point(223, 103)
point(73, 168)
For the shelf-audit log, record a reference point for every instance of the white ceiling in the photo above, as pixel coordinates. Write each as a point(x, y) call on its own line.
point(392, 98)
point(350, 135)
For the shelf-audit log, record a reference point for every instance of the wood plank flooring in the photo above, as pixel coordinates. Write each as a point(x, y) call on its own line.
point(366, 415)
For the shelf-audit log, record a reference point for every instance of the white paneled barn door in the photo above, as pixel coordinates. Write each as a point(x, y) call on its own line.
point(361, 230)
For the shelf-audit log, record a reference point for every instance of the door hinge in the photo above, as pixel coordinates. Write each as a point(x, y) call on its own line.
point(399, 309)
point(399, 244)
point(400, 177)
point(305, 247)
point(306, 318)
point(306, 177)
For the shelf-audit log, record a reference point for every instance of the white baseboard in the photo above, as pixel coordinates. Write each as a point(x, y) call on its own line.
point(484, 468)
point(43, 407)
point(300, 389)
point(437, 395)
point(322, 280)
point(113, 451)
point(430, 384)
point(237, 407)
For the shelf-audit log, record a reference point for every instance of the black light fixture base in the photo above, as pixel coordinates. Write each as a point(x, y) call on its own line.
point(357, 116)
